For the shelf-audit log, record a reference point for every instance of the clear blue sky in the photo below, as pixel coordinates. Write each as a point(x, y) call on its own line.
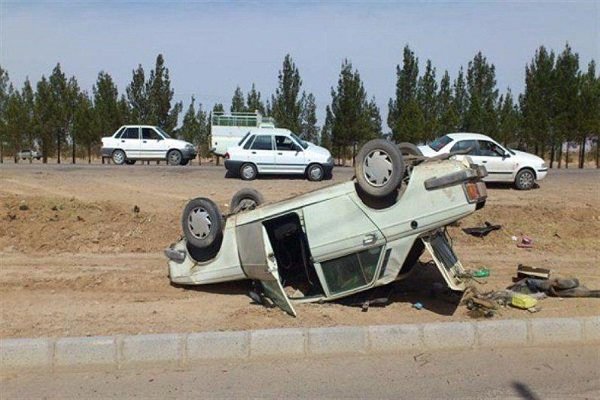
point(211, 47)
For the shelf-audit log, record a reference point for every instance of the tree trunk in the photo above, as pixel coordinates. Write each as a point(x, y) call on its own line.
point(567, 157)
point(1, 152)
point(536, 148)
point(73, 152)
point(582, 154)
point(58, 148)
point(597, 152)
point(552, 150)
point(542, 150)
point(559, 156)
point(89, 149)
point(199, 158)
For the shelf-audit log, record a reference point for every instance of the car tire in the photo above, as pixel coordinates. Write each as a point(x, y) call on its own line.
point(248, 171)
point(379, 167)
point(119, 157)
point(174, 157)
point(130, 162)
point(315, 172)
point(525, 179)
point(202, 223)
point(185, 161)
point(409, 149)
point(246, 199)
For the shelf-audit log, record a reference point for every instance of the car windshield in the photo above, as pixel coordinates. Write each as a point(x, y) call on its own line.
point(297, 139)
point(244, 138)
point(162, 132)
point(440, 142)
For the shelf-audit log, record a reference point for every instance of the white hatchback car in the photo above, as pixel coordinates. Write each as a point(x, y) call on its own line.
point(145, 142)
point(277, 151)
point(502, 164)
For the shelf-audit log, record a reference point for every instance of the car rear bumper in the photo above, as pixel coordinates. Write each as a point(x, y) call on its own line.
point(233, 165)
point(107, 151)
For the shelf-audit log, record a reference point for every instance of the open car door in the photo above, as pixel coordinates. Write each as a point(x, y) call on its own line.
point(445, 259)
point(258, 262)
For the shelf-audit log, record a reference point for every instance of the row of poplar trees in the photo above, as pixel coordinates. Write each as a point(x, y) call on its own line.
point(560, 106)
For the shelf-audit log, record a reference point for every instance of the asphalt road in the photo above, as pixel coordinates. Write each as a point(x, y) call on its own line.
point(532, 373)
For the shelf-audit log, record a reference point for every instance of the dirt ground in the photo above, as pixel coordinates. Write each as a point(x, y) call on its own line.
point(76, 259)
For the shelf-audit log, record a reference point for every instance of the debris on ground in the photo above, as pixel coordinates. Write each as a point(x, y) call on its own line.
point(481, 273)
point(23, 206)
point(523, 301)
point(136, 209)
point(418, 305)
point(524, 271)
point(482, 231)
point(525, 242)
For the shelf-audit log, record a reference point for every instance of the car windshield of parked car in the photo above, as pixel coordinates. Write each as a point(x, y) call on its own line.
point(440, 142)
point(162, 132)
point(262, 142)
point(244, 138)
point(302, 142)
point(351, 271)
point(465, 145)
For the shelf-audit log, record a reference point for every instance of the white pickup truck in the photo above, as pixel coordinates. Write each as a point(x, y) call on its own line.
point(145, 142)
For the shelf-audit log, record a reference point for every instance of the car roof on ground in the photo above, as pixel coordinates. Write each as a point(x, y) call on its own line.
point(468, 135)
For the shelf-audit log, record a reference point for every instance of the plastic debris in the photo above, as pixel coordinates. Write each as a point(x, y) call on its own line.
point(481, 273)
point(482, 231)
point(418, 306)
point(525, 242)
point(523, 301)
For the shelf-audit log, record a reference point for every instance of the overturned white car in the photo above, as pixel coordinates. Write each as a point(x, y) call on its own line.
point(339, 240)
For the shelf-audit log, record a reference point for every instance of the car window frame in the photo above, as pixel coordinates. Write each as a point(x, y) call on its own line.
point(474, 151)
point(128, 138)
point(296, 145)
point(495, 144)
point(160, 137)
point(256, 138)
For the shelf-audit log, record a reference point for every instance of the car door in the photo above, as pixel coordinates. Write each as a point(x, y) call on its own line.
point(259, 263)
point(130, 142)
point(153, 144)
point(498, 163)
point(261, 153)
point(289, 156)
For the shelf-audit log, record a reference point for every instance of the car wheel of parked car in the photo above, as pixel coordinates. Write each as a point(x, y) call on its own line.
point(379, 167)
point(174, 157)
point(202, 223)
point(248, 171)
point(130, 162)
point(118, 157)
point(409, 149)
point(525, 179)
point(246, 199)
point(315, 172)
point(185, 162)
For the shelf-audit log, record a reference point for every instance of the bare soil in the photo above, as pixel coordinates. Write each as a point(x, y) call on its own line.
point(81, 252)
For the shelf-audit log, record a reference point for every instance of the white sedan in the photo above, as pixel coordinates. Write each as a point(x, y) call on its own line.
point(502, 164)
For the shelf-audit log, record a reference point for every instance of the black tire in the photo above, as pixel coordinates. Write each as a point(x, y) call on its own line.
point(202, 223)
point(379, 167)
point(525, 179)
point(185, 161)
point(315, 172)
point(130, 162)
point(246, 199)
point(248, 171)
point(119, 157)
point(174, 157)
point(409, 149)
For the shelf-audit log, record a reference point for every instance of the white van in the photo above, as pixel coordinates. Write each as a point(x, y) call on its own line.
point(227, 130)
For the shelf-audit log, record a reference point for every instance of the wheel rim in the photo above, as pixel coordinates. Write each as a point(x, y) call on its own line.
point(199, 222)
point(248, 172)
point(119, 157)
point(247, 204)
point(315, 173)
point(526, 179)
point(174, 157)
point(377, 168)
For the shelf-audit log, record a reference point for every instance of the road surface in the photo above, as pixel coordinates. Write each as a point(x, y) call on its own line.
point(532, 373)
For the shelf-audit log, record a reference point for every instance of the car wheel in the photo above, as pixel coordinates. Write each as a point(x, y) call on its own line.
point(315, 172)
point(248, 171)
point(246, 199)
point(525, 179)
point(185, 162)
point(409, 149)
point(174, 157)
point(202, 223)
point(118, 157)
point(379, 167)
point(130, 162)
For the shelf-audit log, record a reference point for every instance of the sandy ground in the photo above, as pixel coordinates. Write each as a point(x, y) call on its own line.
point(75, 259)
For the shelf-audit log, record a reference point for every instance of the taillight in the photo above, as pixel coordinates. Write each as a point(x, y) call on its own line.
point(226, 156)
point(475, 191)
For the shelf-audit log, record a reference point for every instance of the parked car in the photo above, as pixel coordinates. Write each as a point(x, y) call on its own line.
point(502, 164)
point(277, 151)
point(335, 241)
point(29, 154)
point(145, 142)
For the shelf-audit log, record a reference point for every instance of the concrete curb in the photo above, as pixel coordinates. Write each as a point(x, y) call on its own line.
point(181, 350)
